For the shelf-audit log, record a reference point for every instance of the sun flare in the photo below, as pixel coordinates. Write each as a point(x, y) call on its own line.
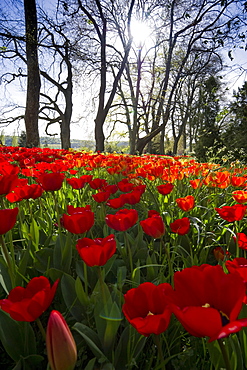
point(140, 32)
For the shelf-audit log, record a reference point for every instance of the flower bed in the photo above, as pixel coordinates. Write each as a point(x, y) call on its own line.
point(121, 262)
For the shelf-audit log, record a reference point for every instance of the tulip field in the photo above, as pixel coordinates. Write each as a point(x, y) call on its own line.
point(113, 261)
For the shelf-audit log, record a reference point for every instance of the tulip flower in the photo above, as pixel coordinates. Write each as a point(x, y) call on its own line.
point(241, 239)
point(98, 183)
point(240, 196)
point(122, 220)
point(181, 226)
point(51, 181)
point(147, 308)
point(125, 186)
point(207, 301)
point(220, 254)
point(187, 203)
point(232, 213)
point(165, 189)
point(239, 265)
point(27, 304)
point(79, 220)
point(98, 251)
point(33, 191)
point(133, 197)
point(101, 196)
point(153, 225)
point(8, 219)
point(7, 183)
point(116, 202)
point(76, 183)
point(60, 344)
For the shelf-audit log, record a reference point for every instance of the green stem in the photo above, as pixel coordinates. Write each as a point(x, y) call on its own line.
point(168, 256)
point(236, 232)
point(85, 278)
point(157, 341)
point(41, 328)
point(101, 283)
point(8, 260)
point(224, 354)
point(127, 245)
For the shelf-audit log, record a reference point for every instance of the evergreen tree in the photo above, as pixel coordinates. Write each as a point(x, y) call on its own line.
point(22, 139)
point(208, 141)
point(234, 136)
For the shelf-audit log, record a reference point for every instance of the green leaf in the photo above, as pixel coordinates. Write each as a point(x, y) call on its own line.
point(90, 365)
point(112, 324)
point(5, 280)
point(91, 339)
point(80, 292)
point(43, 259)
point(34, 233)
point(17, 337)
point(68, 287)
point(29, 363)
point(63, 252)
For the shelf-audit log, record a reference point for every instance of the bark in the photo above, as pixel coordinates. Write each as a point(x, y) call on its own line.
point(33, 79)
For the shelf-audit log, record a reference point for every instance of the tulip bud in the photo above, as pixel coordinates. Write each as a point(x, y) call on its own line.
point(60, 344)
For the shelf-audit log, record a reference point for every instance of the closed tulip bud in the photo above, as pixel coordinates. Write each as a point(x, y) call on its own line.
point(60, 344)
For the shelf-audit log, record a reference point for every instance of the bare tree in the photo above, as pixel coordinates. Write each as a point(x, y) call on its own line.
point(100, 23)
point(33, 76)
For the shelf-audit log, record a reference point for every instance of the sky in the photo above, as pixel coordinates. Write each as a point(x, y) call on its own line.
point(235, 75)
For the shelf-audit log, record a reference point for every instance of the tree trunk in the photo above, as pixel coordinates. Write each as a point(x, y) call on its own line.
point(99, 134)
point(33, 76)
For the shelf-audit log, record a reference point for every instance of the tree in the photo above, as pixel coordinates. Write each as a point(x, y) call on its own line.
point(55, 48)
point(209, 139)
point(198, 28)
point(33, 77)
point(98, 15)
point(234, 135)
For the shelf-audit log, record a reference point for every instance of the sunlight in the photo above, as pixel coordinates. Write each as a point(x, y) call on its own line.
point(140, 32)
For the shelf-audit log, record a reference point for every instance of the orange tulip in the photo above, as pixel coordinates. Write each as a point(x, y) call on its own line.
point(186, 203)
point(240, 196)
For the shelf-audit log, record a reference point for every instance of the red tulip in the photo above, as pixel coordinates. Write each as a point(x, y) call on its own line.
point(111, 188)
point(60, 344)
point(98, 251)
point(116, 202)
point(180, 226)
point(7, 183)
point(241, 239)
point(132, 197)
point(232, 213)
point(27, 304)
point(239, 265)
point(147, 308)
point(186, 203)
point(207, 301)
point(165, 189)
point(79, 220)
point(101, 196)
point(153, 225)
point(51, 181)
point(76, 183)
point(33, 191)
point(8, 219)
point(98, 183)
point(125, 186)
point(122, 220)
